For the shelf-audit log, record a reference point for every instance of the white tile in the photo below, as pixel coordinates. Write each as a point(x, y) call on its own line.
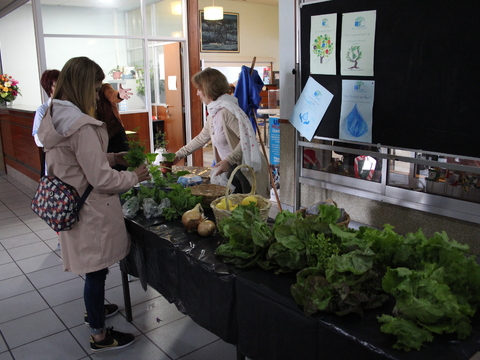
point(21, 305)
point(5, 257)
point(3, 346)
point(24, 210)
point(46, 234)
point(10, 222)
point(54, 244)
point(5, 356)
point(44, 322)
point(64, 292)
point(15, 286)
point(71, 313)
point(30, 250)
point(38, 225)
point(39, 262)
point(29, 218)
point(58, 346)
point(154, 313)
point(7, 214)
point(17, 202)
point(9, 270)
point(181, 337)
point(50, 276)
point(20, 240)
point(14, 231)
point(218, 350)
point(137, 294)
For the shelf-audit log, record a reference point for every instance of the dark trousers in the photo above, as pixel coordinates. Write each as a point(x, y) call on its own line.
point(94, 297)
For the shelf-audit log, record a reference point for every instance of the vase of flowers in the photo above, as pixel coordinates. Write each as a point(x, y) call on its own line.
point(8, 89)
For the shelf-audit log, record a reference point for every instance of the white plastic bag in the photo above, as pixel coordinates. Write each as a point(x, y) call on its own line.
point(131, 207)
point(221, 179)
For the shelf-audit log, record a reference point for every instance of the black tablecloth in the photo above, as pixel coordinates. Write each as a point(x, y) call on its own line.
point(182, 267)
point(254, 309)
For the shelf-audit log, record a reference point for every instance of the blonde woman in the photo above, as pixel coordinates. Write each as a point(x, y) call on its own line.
point(233, 138)
point(75, 144)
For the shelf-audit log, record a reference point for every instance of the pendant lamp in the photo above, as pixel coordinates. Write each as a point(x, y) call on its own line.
point(213, 12)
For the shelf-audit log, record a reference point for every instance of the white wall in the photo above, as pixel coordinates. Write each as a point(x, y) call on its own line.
point(19, 56)
point(258, 32)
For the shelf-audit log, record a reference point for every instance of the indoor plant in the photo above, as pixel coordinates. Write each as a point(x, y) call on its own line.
point(161, 144)
point(8, 89)
point(116, 72)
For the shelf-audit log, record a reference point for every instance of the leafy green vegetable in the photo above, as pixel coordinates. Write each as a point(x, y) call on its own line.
point(136, 154)
point(435, 284)
point(328, 213)
point(181, 200)
point(408, 335)
point(248, 237)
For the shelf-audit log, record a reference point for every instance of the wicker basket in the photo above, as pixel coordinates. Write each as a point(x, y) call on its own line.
point(263, 204)
point(342, 223)
point(209, 192)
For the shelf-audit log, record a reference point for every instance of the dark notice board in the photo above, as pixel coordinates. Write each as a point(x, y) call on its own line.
point(426, 73)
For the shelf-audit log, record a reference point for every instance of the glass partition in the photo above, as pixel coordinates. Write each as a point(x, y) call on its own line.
point(110, 54)
point(94, 18)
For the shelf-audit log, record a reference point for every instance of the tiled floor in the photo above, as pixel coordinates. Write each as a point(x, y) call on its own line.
point(41, 306)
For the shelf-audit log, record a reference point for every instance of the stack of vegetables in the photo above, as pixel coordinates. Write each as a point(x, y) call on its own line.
point(176, 201)
point(435, 284)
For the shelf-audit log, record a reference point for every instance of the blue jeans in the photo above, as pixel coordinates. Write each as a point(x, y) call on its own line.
point(94, 297)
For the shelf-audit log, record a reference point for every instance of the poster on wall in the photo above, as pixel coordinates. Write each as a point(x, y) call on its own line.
point(322, 44)
point(358, 40)
point(219, 35)
point(310, 108)
point(356, 111)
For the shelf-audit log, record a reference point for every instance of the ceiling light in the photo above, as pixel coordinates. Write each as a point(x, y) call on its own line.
point(176, 7)
point(213, 12)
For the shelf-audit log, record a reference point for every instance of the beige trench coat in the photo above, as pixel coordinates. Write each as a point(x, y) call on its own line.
point(75, 146)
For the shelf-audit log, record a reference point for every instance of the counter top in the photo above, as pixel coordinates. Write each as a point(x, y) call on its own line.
point(19, 107)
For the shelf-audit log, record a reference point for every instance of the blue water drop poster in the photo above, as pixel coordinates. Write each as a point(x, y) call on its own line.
point(356, 112)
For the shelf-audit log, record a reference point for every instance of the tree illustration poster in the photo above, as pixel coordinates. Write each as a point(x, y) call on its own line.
point(356, 112)
point(310, 108)
point(358, 40)
point(322, 44)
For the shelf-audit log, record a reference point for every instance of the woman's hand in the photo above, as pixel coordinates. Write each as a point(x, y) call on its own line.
point(223, 166)
point(142, 173)
point(176, 160)
point(120, 158)
point(124, 93)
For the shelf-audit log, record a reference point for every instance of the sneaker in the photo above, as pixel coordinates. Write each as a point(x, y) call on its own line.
point(113, 340)
point(110, 310)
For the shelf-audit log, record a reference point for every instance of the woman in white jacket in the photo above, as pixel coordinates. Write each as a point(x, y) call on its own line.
point(233, 138)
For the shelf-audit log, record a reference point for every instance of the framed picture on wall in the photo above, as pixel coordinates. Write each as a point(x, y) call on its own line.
point(219, 35)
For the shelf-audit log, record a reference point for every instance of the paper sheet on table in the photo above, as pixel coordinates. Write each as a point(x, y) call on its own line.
point(310, 108)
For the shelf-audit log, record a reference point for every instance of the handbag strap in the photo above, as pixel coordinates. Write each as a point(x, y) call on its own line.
point(84, 197)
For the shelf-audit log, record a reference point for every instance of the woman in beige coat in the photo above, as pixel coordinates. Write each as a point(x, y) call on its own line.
point(233, 138)
point(75, 144)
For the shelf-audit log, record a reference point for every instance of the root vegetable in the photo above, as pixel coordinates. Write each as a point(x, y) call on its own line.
point(192, 218)
point(206, 228)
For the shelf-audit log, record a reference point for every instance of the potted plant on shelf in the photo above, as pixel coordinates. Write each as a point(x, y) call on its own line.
point(116, 73)
point(161, 144)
